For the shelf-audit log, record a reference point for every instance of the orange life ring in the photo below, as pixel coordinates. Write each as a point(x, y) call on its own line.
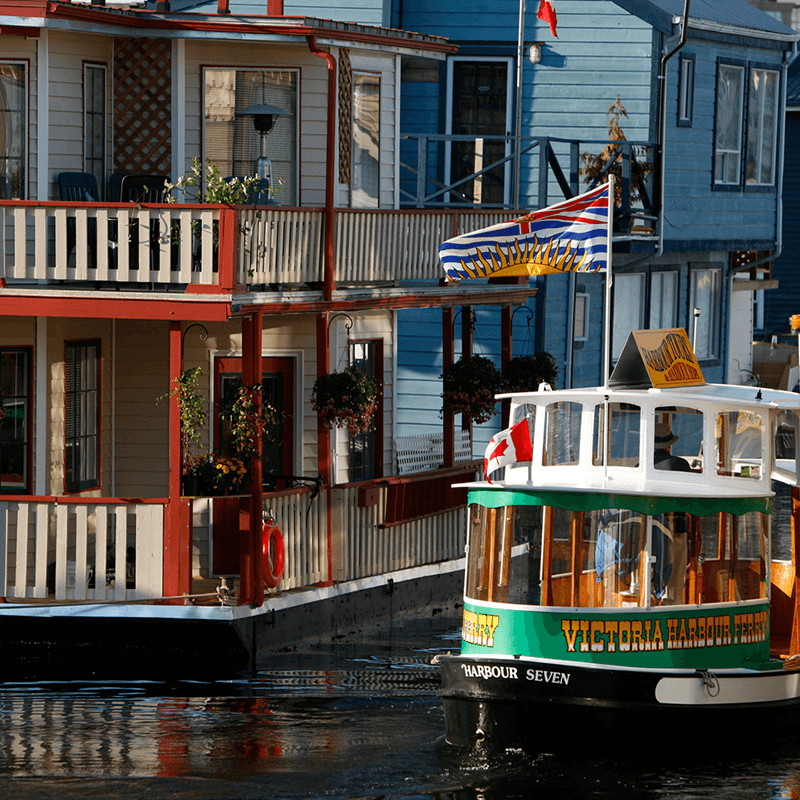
point(271, 539)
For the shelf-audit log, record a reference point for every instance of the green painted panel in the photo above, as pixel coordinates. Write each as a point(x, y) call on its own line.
point(595, 501)
point(689, 638)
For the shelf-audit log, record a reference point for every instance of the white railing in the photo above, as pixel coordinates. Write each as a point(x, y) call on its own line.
point(426, 451)
point(120, 244)
point(81, 551)
point(363, 548)
point(280, 246)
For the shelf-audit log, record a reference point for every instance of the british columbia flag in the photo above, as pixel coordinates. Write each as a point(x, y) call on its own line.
point(571, 236)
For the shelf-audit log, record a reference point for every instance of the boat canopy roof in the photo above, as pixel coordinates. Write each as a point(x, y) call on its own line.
point(689, 448)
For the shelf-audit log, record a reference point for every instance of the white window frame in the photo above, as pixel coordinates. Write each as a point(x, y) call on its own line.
point(24, 143)
point(729, 109)
point(580, 323)
point(707, 341)
point(667, 317)
point(510, 94)
point(90, 115)
point(358, 199)
point(760, 141)
point(686, 91)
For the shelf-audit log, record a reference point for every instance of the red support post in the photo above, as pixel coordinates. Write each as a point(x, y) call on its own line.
point(228, 249)
point(324, 437)
point(177, 569)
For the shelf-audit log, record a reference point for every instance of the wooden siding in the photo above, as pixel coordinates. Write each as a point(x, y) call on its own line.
point(727, 220)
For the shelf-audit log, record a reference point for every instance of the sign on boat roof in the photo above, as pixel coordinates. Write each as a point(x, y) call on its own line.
point(660, 359)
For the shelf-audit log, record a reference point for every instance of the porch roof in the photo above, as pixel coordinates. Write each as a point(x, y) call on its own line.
point(26, 17)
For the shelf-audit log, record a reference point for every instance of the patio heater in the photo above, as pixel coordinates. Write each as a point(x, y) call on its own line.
point(264, 118)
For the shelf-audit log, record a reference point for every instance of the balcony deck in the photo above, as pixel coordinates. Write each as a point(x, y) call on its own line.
point(223, 249)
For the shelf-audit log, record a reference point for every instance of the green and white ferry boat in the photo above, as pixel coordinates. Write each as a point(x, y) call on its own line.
point(646, 594)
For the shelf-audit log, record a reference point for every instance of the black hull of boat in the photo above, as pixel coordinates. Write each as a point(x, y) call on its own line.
point(547, 709)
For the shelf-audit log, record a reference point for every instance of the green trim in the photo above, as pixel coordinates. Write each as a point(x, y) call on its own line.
point(595, 501)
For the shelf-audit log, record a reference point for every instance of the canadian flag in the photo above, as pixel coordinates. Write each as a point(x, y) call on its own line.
point(547, 12)
point(508, 447)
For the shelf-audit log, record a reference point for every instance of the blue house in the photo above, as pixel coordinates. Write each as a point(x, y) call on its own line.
point(518, 119)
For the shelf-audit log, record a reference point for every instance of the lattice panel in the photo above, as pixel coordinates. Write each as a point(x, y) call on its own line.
point(142, 106)
point(345, 116)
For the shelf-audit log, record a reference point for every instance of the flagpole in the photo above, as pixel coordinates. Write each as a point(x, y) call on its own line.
point(609, 283)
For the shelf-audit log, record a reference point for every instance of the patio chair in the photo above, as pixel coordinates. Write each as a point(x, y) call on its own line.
point(80, 187)
point(141, 188)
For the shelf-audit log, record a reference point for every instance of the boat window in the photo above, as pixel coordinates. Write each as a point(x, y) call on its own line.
point(733, 557)
point(562, 436)
point(623, 434)
point(739, 444)
point(492, 534)
point(786, 434)
point(524, 410)
point(678, 439)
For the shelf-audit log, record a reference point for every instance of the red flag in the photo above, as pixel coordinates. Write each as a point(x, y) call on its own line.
point(547, 12)
point(508, 447)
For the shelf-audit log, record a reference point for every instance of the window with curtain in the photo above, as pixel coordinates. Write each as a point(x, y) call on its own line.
point(13, 130)
point(663, 300)
point(762, 127)
point(82, 416)
point(728, 133)
point(94, 122)
point(706, 294)
point(233, 144)
point(629, 306)
point(366, 140)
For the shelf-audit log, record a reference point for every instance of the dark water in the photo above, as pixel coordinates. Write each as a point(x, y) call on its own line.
point(356, 719)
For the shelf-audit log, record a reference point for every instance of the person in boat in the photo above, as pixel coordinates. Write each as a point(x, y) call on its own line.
point(662, 456)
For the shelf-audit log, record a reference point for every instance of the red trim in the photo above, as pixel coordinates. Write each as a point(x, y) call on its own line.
point(92, 307)
point(21, 30)
point(107, 501)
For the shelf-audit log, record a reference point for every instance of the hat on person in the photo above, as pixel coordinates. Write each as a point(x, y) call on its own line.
point(664, 435)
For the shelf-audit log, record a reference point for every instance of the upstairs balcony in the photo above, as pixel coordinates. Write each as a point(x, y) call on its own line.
point(224, 249)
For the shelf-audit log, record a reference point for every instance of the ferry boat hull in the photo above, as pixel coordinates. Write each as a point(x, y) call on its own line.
point(541, 706)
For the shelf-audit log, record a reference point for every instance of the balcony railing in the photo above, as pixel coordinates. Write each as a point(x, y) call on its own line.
point(180, 247)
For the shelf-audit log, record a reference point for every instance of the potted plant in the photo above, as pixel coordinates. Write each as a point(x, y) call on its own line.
point(595, 165)
point(525, 373)
point(346, 398)
point(249, 414)
point(470, 386)
point(192, 409)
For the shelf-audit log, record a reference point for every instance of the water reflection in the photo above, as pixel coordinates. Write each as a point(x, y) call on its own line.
point(355, 719)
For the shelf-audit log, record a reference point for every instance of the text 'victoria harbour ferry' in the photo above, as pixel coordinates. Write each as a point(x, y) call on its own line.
point(643, 590)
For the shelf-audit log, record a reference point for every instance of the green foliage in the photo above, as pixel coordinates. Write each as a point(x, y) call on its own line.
point(525, 373)
point(217, 190)
point(192, 408)
point(470, 386)
point(249, 415)
point(346, 398)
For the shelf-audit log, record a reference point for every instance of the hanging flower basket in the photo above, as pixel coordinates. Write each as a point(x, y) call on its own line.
point(470, 386)
point(525, 373)
point(346, 398)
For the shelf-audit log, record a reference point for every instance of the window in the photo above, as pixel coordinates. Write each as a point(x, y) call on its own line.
point(762, 128)
point(13, 132)
point(706, 294)
point(15, 432)
point(728, 135)
point(562, 434)
point(366, 454)
point(94, 121)
point(629, 306)
point(365, 191)
point(232, 142)
point(580, 326)
point(82, 416)
point(686, 91)
point(663, 300)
